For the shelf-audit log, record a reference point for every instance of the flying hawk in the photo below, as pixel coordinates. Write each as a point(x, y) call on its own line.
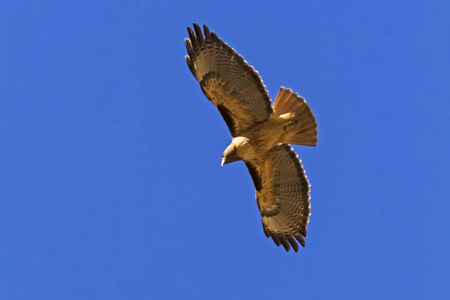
point(261, 134)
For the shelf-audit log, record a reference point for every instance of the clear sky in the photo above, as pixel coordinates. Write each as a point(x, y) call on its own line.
point(110, 178)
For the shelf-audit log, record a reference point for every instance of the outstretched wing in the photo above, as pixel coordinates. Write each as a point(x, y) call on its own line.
point(282, 194)
point(233, 86)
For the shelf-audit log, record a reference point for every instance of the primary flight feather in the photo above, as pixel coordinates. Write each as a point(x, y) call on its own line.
point(261, 134)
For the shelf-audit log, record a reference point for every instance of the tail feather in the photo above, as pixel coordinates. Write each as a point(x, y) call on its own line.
point(305, 132)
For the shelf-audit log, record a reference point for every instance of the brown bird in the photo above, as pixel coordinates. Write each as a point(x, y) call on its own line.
point(261, 134)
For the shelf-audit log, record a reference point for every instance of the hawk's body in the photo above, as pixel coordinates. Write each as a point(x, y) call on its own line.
point(261, 134)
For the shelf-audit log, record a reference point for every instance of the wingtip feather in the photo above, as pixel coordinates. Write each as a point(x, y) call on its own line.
point(198, 33)
point(293, 243)
point(206, 31)
point(276, 240)
point(300, 239)
point(285, 244)
point(192, 37)
point(189, 48)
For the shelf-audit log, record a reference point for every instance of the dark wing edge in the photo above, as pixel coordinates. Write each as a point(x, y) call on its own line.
point(282, 191)
point(226, 79)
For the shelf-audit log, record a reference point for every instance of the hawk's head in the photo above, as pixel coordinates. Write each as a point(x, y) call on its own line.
point(236, 150)
point(229, 155)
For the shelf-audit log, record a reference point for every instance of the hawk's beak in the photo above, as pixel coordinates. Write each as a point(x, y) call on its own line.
point(226, 159)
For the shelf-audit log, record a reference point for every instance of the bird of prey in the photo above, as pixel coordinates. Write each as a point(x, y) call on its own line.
point(261, 133)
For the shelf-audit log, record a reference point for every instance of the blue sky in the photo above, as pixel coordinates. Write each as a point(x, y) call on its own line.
point(110, 178)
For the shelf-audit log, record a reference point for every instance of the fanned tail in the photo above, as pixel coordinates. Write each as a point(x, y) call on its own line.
point(305, 132)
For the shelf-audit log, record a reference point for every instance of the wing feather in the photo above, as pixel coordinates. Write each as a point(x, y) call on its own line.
point(227, 80)
point(283, 196)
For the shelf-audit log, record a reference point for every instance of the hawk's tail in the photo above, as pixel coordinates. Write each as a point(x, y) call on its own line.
point(305, 132)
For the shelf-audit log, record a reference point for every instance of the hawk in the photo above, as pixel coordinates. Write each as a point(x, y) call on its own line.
point(261, 133)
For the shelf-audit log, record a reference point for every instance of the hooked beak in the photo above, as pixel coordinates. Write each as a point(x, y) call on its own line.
point(226, 159)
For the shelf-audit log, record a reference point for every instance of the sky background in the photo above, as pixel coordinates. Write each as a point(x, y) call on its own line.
point(110, 178)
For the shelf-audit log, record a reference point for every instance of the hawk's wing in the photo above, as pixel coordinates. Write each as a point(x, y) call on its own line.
point(282, 194)
point(233, 86)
